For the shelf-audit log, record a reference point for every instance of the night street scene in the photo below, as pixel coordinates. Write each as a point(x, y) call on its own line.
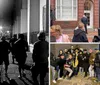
point(24, 42)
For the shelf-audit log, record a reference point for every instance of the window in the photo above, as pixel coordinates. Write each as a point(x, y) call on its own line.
point(66, 9)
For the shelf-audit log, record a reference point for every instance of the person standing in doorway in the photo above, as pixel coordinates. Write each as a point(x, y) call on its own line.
point(84, 20)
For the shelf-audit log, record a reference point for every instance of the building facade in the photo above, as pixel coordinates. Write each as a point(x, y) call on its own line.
point(31, 19)
point(69, 12)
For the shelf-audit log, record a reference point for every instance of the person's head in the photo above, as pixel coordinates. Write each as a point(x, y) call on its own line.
point(62, 57)
point(55, 30)
point(14, 36)
point(21, 36)
point(65, 50)
point(72, 47)
point(80, 52)
point(81, 25)
point(84, 15)
point(96, 50)
point(70, 56)
point(41, 36)
point(60, 51)
point(3, 38)
point(90, 50)
point(85, 51)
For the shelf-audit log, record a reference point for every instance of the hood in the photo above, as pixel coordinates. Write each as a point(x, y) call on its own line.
point(77, 32)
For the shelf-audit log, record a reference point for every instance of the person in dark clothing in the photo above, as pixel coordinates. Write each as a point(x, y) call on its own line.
point(40, 58)
point(66, 53)
point(71, 50)
point(53, 64)
point(97, 66)
point(12, 41)
point(79, 34)
point(61, 63)
point(84, 20)
point(4, 53)
point(20, 48)
point(80, 65)
point(85, 62)
point(52, 16)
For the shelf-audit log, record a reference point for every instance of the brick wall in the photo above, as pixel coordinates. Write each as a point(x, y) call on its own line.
point(73, 24)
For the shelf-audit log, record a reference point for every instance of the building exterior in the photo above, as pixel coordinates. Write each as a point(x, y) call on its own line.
point(31, 19)
point(69, 12)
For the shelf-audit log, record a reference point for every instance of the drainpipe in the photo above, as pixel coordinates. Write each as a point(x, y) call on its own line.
point(47, 16)
point(28, 21)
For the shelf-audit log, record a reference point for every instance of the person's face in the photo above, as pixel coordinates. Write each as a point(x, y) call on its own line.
point(62, 57)
point(85, 51)
point(65, 50)
point(72, 47)
point(61, 52)
point(90, 50)
point(70, 56)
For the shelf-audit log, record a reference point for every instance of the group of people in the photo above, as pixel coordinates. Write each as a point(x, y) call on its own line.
point(74, 61)
point(18, 48)
point(79, 33)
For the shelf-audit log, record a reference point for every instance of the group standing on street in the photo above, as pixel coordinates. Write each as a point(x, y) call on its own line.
point(18, 48)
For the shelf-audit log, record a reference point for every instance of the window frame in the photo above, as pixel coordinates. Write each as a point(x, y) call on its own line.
point(64, 19)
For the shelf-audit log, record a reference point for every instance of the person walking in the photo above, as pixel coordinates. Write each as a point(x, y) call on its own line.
point(40, 58)
point(4, 53)
point(20, 49)
point(12, 41)
point(84, 20)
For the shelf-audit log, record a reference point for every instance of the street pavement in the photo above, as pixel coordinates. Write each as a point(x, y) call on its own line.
point(13, 73)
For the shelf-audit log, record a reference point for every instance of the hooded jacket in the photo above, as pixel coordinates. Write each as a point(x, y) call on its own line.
point(79, 36)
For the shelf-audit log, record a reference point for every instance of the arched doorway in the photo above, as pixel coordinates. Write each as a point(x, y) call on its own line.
point(88, 11)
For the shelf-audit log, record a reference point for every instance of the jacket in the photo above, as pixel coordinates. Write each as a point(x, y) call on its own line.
point(79, 36)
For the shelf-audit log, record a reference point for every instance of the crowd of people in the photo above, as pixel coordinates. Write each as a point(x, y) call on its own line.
point(74, 61)
point(79, 33)
point(18, 49)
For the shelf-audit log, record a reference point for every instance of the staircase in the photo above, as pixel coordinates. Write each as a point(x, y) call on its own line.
point(90, 35)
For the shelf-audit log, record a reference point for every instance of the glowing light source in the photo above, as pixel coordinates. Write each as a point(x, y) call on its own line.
point(1, 27)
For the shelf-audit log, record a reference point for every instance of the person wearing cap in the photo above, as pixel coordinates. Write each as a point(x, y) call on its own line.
point(85, 62)
point(40, 58)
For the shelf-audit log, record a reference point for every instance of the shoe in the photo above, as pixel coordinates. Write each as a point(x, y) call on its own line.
point(60, 78)
point(54, 81)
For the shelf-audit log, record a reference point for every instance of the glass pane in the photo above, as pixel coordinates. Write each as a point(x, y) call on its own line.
point(67, 3)
point(74, 13)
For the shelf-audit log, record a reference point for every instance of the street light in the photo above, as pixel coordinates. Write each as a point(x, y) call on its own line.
point(1, 27)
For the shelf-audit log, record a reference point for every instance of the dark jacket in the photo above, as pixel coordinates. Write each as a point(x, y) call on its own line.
point(85, 60)
point(20, 48)
point(53, 60)
point(80, 60)
point(84, 20)
point(79, 36)
point(97, 60)
point(4, 51)
point(40, 52)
